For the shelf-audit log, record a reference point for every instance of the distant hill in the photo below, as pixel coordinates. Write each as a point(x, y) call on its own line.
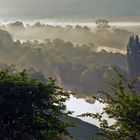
point(82, 130)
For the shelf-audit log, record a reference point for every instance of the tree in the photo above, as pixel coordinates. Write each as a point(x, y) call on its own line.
point(30, 109)
point(5, 39)
point(16, 25)
point(123, 107)
point(102, 24)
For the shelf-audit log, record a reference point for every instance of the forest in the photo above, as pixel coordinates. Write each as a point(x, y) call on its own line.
point(61, 58)
point(41, 65)
point(102, 34)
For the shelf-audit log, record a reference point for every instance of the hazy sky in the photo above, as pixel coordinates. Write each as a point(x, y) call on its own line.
point(69, 8)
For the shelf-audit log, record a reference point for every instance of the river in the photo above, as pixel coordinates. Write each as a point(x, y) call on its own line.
point(80, 106)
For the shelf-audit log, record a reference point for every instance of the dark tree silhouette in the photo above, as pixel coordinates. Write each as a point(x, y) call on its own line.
point(133, 56)
point(30, 109)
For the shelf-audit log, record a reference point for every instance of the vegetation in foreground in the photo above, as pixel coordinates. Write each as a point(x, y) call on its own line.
point(31, 109)
point(123, 107)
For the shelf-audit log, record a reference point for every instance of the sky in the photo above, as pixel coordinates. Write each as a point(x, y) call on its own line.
point(69, 8)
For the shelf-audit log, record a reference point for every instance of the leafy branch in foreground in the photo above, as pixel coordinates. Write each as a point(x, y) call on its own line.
point(124, 107)
point(31, 109)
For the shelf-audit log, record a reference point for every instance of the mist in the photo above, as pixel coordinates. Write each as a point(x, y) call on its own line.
point(73, 9)
point(69, 55)
point(73, 54)
point(77, 34)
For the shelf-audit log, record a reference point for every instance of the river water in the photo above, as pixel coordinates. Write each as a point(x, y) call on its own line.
point(80, 106)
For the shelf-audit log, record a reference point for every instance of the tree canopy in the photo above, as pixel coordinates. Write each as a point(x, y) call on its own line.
point(30, 109)
point(102, 24)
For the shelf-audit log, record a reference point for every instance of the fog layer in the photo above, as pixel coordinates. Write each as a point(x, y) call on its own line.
point(69, 8)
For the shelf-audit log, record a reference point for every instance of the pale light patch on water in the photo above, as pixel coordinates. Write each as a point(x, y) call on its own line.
point(80, 106)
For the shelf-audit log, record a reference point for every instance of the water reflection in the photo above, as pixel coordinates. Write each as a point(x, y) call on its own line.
point(80, 106)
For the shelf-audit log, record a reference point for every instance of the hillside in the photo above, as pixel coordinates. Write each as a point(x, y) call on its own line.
point(82, 130)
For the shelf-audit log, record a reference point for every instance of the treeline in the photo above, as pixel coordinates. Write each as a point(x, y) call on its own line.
point(102, 35)
point(78, 68)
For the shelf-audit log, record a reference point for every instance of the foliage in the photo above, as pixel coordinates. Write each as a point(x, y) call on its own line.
point(30, 109)
point(102, 24)
point(123, 107)
point(133, 52)
point(105, 35)
point(62, 61)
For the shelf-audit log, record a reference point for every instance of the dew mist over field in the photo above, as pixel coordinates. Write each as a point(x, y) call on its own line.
point(77, 42)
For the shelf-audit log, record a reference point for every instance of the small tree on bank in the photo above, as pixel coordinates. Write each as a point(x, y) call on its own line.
point(124, 107)
point(30, 109)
